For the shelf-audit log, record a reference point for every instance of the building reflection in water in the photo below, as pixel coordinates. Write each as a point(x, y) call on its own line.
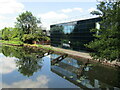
point(69, 69)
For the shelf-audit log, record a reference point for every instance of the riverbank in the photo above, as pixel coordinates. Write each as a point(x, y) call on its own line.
point(74, 54)
point(82, 56)
point(12, 42)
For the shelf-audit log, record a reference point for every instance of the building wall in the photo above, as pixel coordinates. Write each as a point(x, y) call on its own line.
point(73, 35)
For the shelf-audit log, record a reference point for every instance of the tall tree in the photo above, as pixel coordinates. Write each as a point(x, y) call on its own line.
point(27, 23)
point(107, 42)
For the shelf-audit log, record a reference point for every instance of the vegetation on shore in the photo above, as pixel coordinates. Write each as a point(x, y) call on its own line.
point(27, 29)
point(12, 42)
point(106, 46)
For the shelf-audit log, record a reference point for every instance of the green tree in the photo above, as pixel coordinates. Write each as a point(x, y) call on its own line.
point(5, 33)
point(9, 33)
point(26, 29)
point(57, 34)
point(106, 46)
point(27, 24)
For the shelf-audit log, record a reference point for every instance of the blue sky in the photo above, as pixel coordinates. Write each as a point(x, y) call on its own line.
point(50, 11)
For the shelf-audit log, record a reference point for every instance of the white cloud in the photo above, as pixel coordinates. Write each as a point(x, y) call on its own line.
point(8, 65)
point(8, 10)
point(52, 15)
point(10, 6)
point(7, 21)
point(40, 82)
point(66, 10)
point(71, 10)
point(78, 9)
point(2, 17)
point(91, 9)
point(6, 24)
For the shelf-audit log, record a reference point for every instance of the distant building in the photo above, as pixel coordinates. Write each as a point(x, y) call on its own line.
point(73, 35)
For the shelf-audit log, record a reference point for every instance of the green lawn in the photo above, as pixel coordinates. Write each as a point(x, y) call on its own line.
point(11, 42)
point(25, 44)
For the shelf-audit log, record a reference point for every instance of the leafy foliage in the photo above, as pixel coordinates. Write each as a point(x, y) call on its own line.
point(27, 38)
point(26, 29)
point(11, 42)
point(57, 33)
point(107, 42)
point(0, 34)
point(27, 22)
point(9, 33)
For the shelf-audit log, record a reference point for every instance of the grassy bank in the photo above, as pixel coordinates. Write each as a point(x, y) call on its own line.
point(32, 45)
point(57, 51)
point(45, 47)
point(11, 42)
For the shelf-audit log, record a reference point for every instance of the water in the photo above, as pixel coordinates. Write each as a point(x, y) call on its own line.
point(23, 67)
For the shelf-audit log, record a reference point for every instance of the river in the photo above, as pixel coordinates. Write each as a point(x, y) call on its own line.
point(23, 67)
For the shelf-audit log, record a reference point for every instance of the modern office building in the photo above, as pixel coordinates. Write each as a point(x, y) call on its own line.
point(74, 35)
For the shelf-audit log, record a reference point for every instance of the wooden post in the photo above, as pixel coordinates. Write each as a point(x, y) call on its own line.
point(58, 59)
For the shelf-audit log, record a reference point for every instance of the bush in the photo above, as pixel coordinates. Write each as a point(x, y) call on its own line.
point(28, 38)
point(46, 38)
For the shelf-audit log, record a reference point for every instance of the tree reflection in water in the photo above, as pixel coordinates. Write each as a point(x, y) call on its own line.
point(27, 59)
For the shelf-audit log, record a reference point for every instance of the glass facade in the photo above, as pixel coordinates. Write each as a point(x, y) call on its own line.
point(73, 35)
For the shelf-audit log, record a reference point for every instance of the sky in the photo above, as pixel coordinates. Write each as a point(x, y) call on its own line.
point(49, 11)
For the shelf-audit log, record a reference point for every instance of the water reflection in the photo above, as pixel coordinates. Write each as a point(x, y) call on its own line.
point(28, 68)
point(27, 59)
point(24, 68)
point(40, 82)
point(93, 76)
point(7, 65)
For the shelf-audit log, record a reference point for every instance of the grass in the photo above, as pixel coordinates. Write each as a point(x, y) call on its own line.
point(41, 46)
point(45, 47)
point(25, 44)
point(20, 43)
point(11, 42)
point(48, 48)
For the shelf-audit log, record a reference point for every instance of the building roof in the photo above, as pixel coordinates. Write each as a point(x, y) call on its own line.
point(82, 19)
